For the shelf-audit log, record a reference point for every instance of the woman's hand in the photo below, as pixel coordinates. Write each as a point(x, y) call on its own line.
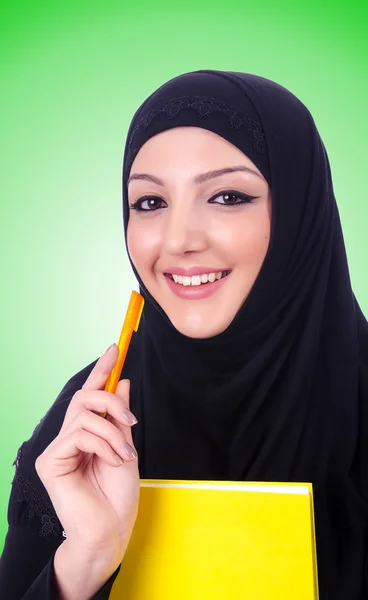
point(94, 495)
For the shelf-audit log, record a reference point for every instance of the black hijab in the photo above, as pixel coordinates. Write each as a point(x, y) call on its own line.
point(279, 395)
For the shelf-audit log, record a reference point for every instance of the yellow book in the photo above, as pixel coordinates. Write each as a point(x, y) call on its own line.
point(210, 540)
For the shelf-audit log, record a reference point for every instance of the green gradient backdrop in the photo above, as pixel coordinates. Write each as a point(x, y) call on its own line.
point(72, 75)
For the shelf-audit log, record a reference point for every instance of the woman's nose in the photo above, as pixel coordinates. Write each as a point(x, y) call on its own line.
point(184, 232)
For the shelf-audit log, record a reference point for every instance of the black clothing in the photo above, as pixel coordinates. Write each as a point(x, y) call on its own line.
point(35, 532)
point(282, 394)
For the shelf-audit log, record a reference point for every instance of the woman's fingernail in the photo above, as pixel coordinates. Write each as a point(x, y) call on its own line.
point(130, 451)
point(129, 417)
point(118, 458)
point(109, 348)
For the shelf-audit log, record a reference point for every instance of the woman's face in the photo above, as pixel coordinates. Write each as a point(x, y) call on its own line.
point(196, 241)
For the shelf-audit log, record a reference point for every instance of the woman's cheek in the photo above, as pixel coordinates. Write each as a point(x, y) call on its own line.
point(143, 245)
point(246, 240)
point(236, 238)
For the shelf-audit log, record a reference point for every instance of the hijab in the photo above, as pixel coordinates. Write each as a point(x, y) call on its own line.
point(279, 395)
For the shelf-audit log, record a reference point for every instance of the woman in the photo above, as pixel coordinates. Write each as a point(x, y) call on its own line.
point(251, 360)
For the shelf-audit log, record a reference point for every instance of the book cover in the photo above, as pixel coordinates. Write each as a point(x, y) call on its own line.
point(199, 540)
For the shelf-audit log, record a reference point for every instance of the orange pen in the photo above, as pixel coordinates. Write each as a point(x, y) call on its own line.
point(131, 323)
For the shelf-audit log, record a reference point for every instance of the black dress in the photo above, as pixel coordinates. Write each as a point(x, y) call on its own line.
point(35, 532)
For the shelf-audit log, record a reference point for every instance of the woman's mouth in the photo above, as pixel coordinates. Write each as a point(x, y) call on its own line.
point(196, 287)
point(197, 280)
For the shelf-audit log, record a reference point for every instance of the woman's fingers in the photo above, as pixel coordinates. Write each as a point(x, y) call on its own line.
point(116, 405)
point(96, 381)
point(122, 394)
point(90, 402)
point(97, 378)
point(60, 457)
point(102, 428)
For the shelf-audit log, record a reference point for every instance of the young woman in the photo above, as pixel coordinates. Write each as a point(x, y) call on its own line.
point(251, 359)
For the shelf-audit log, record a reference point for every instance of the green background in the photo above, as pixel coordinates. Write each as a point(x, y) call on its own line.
point(73, 74)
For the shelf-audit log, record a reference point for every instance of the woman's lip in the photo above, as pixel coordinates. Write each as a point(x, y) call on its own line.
point(195, 292)
point(193, 271)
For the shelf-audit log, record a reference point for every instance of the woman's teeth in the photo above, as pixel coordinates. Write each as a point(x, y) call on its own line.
point(199, 279)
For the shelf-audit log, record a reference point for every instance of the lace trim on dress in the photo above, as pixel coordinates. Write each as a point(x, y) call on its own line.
point(39, 506)
point(204, 107)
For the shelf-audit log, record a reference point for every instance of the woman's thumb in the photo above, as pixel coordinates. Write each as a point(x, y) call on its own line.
point(123, 391)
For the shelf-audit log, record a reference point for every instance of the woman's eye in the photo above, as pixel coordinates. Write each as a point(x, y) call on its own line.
point(228, 198)
point(231, 198)
point(148, 204)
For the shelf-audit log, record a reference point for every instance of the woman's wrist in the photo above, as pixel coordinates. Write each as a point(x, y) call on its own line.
point(80, 571)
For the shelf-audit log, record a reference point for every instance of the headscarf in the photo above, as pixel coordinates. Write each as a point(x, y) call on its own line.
point(279, 395)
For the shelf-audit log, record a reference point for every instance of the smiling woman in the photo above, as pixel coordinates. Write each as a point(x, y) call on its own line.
point(251, 359)
point(198, 229)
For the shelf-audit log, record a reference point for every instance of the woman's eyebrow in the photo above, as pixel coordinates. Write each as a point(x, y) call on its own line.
point(198, 178)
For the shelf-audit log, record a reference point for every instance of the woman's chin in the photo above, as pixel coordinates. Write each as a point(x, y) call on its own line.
point(198, 328)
